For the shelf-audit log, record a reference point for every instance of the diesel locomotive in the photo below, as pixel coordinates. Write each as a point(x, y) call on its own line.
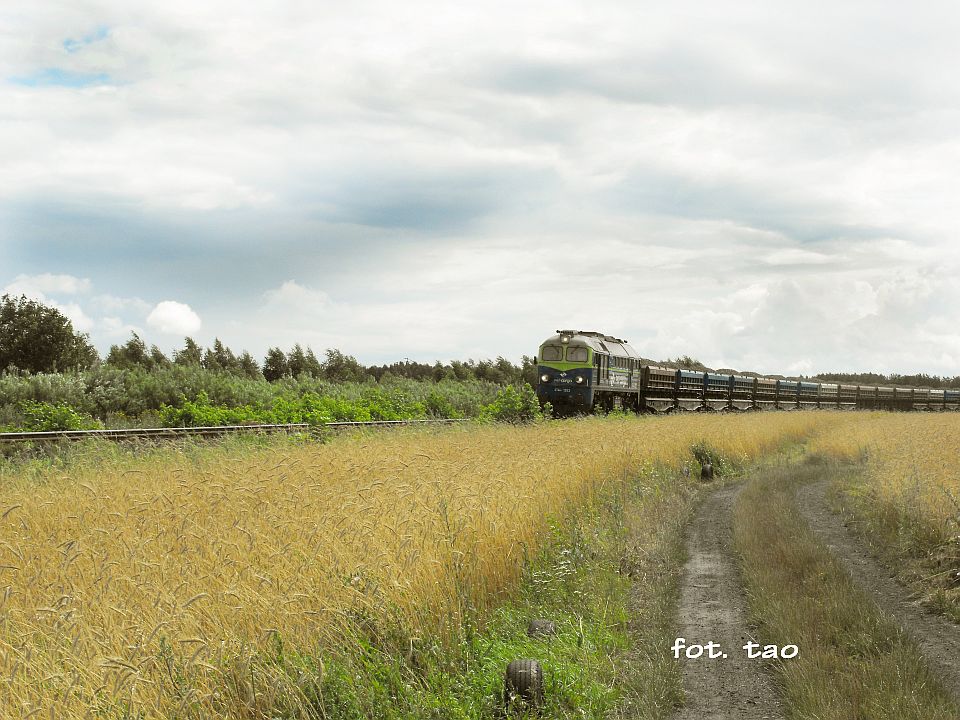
point(582, 371)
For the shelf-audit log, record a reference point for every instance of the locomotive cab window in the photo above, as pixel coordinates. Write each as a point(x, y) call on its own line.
point(576, 354)
point(552, 352)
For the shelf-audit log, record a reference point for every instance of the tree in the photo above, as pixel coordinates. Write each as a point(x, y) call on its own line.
point(342, 368)
point(297, 361)
point(159, 359)
point(509, 373)
point(528, 370)
point(132, 354)
point(311, 365)
point(38, 338)
point(462, 370)
point(688, 363)
point(220, 357)
point(192, 354)
point(248, 366)
point(275, 364)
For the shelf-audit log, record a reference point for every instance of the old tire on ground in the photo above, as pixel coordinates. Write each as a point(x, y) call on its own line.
point(541, 628)
point(523, 684)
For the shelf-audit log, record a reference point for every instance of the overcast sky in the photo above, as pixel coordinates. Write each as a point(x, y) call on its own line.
point(763, 185)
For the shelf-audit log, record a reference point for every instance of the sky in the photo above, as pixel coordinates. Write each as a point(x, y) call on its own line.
point(766, 186)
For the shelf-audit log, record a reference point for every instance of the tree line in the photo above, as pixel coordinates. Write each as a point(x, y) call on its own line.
point(35, 338)
point(335, 366)
point(917, 380)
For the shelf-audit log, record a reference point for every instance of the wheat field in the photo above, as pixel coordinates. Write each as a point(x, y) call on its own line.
point(144, 584)
point(911, 458)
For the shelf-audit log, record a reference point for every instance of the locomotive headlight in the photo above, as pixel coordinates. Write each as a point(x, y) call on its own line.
point(544, 378)
point(578, 379)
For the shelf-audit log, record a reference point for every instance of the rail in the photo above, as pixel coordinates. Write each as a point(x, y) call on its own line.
point(209, 431)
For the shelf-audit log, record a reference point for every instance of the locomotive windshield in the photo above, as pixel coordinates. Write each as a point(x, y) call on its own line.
point(552, 352)
point(576, 354)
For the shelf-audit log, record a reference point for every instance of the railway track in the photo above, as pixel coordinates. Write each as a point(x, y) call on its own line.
point(211, 431)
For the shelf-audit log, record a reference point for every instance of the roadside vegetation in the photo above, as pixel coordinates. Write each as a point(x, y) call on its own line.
point(853, 662)
point(31, 404)
point(276, 577)
point(901, 492)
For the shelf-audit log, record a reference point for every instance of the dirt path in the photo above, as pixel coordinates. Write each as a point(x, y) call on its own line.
point(938, 638)
point(712, 608)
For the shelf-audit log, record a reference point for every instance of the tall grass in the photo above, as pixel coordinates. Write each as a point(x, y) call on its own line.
point(854, 662)
point(909, 454)
point(906, 496)
point(159, 583)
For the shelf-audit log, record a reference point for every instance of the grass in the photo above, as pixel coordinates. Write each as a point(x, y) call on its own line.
point(902, 493)
point(159, 582)
point(854, 662)
point(924, 554)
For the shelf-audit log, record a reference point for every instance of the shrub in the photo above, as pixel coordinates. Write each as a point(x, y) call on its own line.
point(200, 413)
point(704, 452)
point(42, 417)
point(513, 405)
point(135, 396)
point(439, 406)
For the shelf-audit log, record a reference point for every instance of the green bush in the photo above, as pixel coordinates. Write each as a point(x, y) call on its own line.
point(44, 417)
point(311, 408)
point(190, 395)
point(514, 405)
point(439, 406)
point(200, 413)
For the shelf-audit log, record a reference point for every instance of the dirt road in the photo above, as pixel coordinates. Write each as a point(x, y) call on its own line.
point(937, 637)
point(712, 608)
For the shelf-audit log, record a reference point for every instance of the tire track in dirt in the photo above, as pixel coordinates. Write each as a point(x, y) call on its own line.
point(938, 638)
point(712, 608)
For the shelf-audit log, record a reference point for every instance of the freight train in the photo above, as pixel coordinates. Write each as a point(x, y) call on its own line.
point(582, 371)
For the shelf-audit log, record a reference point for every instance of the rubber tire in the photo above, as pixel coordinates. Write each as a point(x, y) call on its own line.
point(523, 681)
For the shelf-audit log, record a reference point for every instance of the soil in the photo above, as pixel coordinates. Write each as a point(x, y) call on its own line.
point(937, 637)
point(712, 608)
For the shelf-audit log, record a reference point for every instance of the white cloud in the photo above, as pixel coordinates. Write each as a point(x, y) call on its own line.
point(81, 322)
point(173, 318)
point(112, 304)
point(293, 296)
point(797, 256)
point(38, 286)
point(116, 329)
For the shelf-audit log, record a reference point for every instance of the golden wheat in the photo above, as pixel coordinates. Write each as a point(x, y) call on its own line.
point(151, 583)
point(911, 458)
